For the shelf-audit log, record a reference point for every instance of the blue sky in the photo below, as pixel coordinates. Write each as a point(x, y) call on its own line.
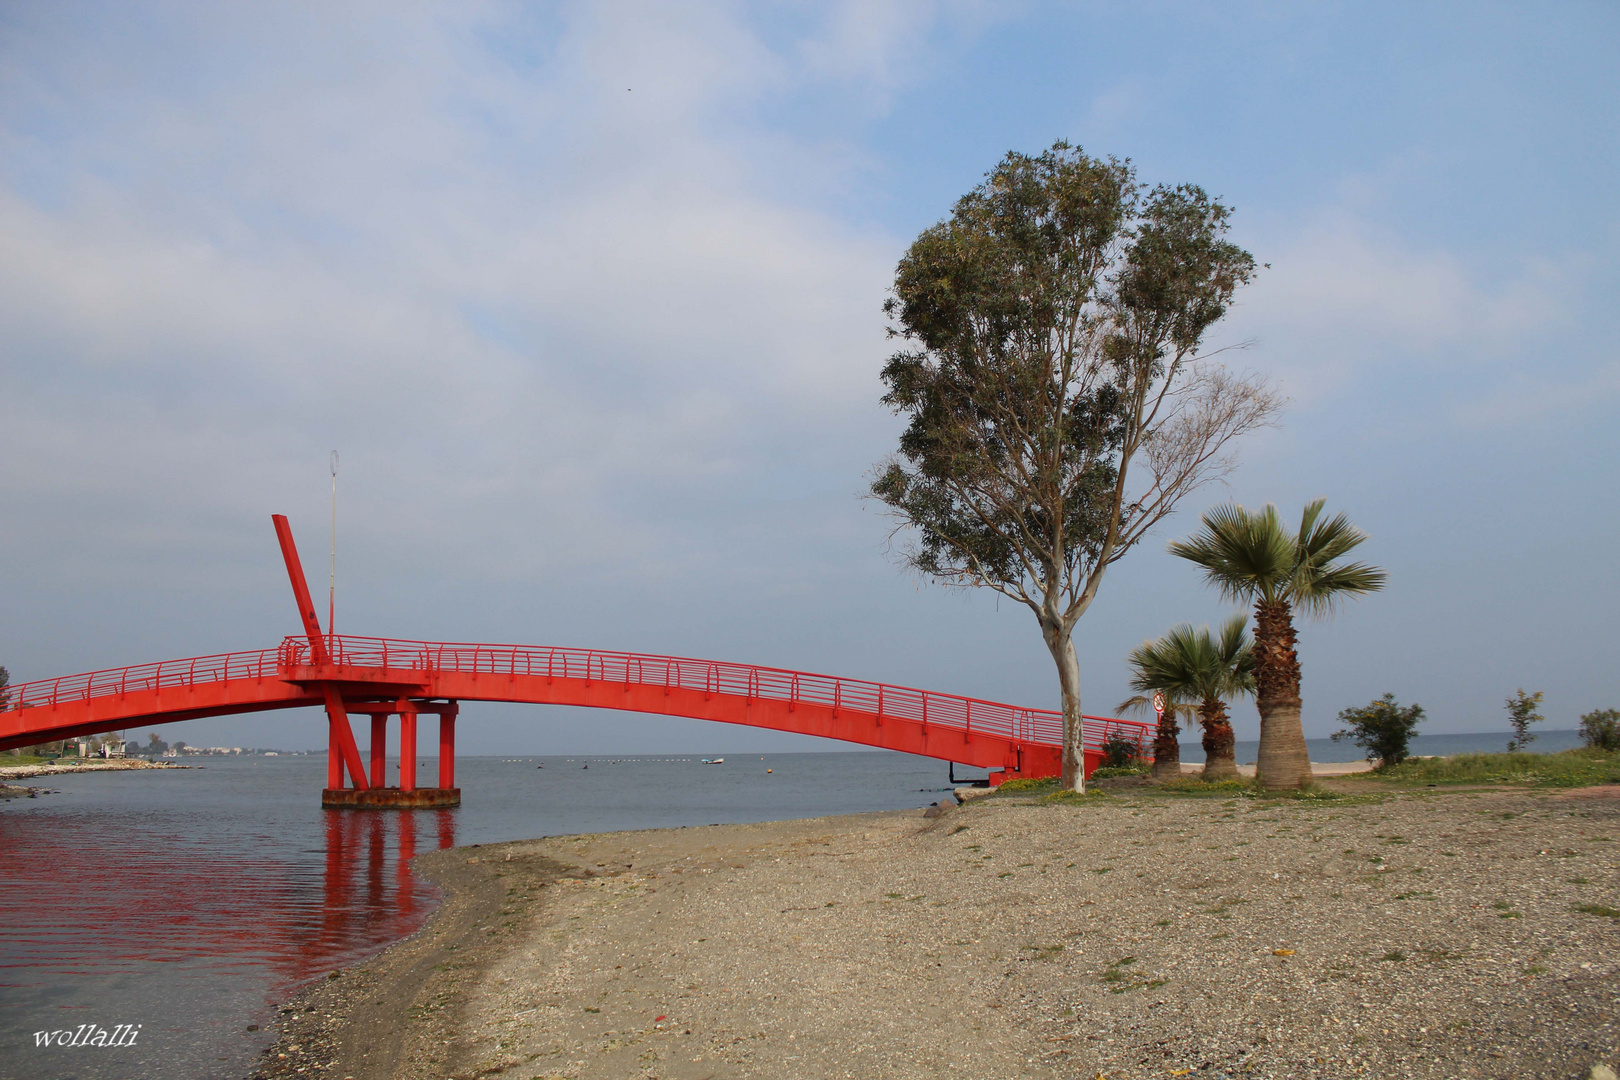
point(588, 297)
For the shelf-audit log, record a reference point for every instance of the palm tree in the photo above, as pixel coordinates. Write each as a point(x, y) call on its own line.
point(1166, 741)
point(1252, 557)
point(1193, 666)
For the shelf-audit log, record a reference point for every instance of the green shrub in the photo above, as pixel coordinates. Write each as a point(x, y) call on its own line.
point(1118, 752)
point(1523, 710)
point(1382, 728)
point(1600, 729)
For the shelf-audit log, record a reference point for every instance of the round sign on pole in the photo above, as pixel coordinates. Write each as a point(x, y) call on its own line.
point(1158, 703)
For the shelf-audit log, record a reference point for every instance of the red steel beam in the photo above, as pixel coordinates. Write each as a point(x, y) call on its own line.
point(339, 731)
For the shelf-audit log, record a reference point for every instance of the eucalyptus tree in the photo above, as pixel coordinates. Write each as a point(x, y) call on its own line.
point(1253, 557)
point(1204, 669)
point(1059, 404)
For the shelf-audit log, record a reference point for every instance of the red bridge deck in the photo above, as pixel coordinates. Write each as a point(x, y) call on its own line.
point(1022, 742)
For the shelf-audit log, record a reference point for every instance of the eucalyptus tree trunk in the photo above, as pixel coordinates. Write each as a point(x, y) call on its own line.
point(1283, 761)
point(1060, 642)
point(1220, 761)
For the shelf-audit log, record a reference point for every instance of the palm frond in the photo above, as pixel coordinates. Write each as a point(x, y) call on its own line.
point(1188, 665)
point(1142, 703)
point(1243, 554)
point(1337, 583)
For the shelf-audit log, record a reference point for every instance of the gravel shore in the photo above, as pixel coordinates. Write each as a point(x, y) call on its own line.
point(1398, 934)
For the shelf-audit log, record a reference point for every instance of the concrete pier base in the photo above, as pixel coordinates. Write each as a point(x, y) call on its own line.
point(390, 798)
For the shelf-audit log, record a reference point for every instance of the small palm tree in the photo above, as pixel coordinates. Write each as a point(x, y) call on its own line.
point(1253, 557)
point(1166, 739)
point(1193, 666)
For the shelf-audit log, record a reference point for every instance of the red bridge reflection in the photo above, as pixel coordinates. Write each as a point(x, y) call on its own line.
point(175, 897)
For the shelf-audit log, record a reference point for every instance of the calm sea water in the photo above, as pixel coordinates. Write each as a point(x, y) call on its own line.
point(192, 901)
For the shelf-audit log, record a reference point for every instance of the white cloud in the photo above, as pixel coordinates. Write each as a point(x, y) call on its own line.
point(1344, 298)
point(529, 297)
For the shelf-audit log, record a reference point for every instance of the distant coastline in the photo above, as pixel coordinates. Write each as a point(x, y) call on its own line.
point(23, 772)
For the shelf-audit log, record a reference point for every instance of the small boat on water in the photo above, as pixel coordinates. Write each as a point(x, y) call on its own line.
point(714, 761)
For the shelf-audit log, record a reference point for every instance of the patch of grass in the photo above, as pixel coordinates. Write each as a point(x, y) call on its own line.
point(1103, 772)
point(959, 828)
point(1162, 922)
point(1597, 909)
point(1394, 956)
point(1580, 881)
point(1192, 785)
point(1120, 981)
point(1070, 798)
point(1581, 767)
point(1044, 952)
point(1027, 784)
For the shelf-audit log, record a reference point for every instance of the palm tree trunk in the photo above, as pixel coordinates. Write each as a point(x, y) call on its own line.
point(1284, 761)
point(1220, 762)
point(1061, 646)
point(1167, 748)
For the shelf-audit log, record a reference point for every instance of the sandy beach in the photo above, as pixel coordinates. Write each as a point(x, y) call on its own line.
point(1134, 934)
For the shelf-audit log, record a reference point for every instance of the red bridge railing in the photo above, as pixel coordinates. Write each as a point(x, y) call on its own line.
point(1039, 726)
point(222, 667)
point(1036, 726)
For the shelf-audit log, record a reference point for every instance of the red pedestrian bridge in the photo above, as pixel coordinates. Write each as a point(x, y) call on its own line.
point(385, 677)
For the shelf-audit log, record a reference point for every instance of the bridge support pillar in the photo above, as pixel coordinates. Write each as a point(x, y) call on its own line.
point(376, 794)
point(447, 747)
point(334, 758)
point(407, 746)
point(379, 750)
